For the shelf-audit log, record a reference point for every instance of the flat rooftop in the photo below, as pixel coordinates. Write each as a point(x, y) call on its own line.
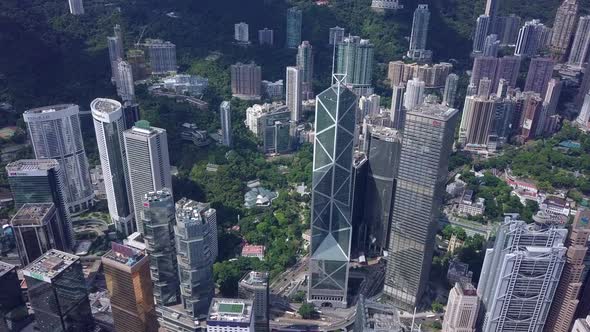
point(385, 133)
point(50, 265)
point(52, 108)
point(254, 278)
point(33, 214)
point(25, 165)
point(5, 268)
point(124, 254)
point(435, 111)
point(230, 310)
point(105, 105)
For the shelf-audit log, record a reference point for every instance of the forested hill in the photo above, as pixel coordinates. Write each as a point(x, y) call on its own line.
point(48, 56)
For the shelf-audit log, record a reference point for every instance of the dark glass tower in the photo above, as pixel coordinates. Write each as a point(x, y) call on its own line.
point(428, 140)
point(331, 225)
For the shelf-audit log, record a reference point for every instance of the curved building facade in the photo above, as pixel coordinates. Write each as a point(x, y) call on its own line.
point(55, 134)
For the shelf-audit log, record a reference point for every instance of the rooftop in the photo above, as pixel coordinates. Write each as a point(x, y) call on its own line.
point(33, 214)
point(437, 111)
point(50, 109)
point(105, 105)
point(50, 265)
point(254, 278)
point(466, 288)
point(253, 250)
point(385, 133)
point(156, 196)
point(124, 254)
point(230, 310)
point(24, 165)
point(5, 268)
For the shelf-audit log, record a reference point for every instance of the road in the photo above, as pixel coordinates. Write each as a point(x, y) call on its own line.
point(280, 285)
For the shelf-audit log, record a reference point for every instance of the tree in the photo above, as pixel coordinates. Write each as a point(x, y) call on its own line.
point(437, 307)
point(307, 311)
point(298, 297)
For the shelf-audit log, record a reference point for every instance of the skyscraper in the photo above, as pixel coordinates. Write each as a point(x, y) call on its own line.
point(531, 112)
point(581, 46)
point(398, 113)
point(254, 286)
point(195, 256)
point(55, 134)
point(531, 38)
point(336, 35)
point(483, 66)
point(246, 81)
point(520, 275)
point(584, 116)
point(125, 87)
point(76, 7)
point(127, 274)
point(11, 299)
point(115, 46)
point(485, 87)
point(294, 94)
point(57, 293)
point(158, 217)
point(450, 92)
point(354, 58)
point(481, 31)
point(147, 162)
point(40, 181)
point(508, 69)
point(266, 37)
point(428, 138)
point(539, 74)
point(370, 105)
point(331, 197)
point(563, 27)
point(414, 96)
point(492, 9)
point(162, 56)
point(226, 129)
point(383, 150)
point(509, 32)
point(294, 17)
point(566, 298)
point(584, 88)
point(37, 228)
point(419, 32)
point(109, 125)
point(476, 122)
point(462, 309)
point(552, 96)
point(241, 34)
point(305, 63)
point(491, 45)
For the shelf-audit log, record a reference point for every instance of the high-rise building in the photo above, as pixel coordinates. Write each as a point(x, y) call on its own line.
point(382, 5)
point(531, 38)
point(462, 309)
point(481, 31)
point(419, 35)
point(531, 113)
point(336, 35)
point(581, 46)
point(584, 87)
point(266, 37)
point(76, 7)
point(115, 45)
point(539, 75)
point(246, 81)
point(139, 65)
point(162, 56)
point(434, 76)
point(241, 34)
point(294, 94)
point(563, 28)
point(130, 114)
point(491, 45)
point(428, 138)
point(476, 122)
point(552, 95)
point(11, 299)
point(37, 229)
point(195, 236)
point(125, 87)
point(450, 92)
point(508, 69)
point(254, 286)
point(230, 315)
point(492, 10)
point(226, 128)
point(520, 275)
point(57, 293)
point(395, 72)
point(582, 325)
point(273, 90)
point(373, 316)
point(305, 63)
point(565, 302)
point(40, 181)
point(127, 274)
point(583, 118)
point(483, 66)
point(414, 96)
point(509, 29)
point(109, 125)
point(354, 58)
point(294, 17)
point(148, 163)
point(485, 87)
point(158, 217)
point(55, 134)
point(369, 105)
point(383, 151)
point(397, 106)
point(331, 211)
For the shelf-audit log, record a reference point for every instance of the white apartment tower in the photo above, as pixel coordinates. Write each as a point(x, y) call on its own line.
point(581, 46)
point(414, 94)
point(462, 309)
point(294, 93)
point(109, 124)
point(148, 163)
point(125, 87)
point(76, 7)
point(241, 34)
point(225, 113)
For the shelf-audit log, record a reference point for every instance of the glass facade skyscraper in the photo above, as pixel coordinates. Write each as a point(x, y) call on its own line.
point(331, 224)
point(428, 140)
point(294, 17)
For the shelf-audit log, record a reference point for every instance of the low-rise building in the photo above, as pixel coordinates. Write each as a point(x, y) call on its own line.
point(555, 205)
point(185, 84)
point(259, 197)
point(230, 315)
point(470, 206)
point(191, 133)
point(273, 90)
point(250, 250)
point(458, 272)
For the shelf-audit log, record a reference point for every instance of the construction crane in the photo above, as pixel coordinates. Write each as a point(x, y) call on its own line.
point(140, 36)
